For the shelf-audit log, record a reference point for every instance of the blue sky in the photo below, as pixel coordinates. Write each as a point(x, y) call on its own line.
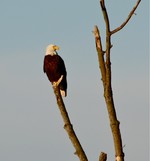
point(30, 122)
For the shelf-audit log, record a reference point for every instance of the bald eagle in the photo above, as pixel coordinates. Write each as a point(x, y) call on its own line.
point(55, 69)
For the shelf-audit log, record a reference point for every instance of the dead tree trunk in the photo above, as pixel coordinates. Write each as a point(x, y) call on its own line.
point(105, 69)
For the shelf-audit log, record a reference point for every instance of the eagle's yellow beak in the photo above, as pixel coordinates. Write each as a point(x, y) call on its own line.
point(56, 47)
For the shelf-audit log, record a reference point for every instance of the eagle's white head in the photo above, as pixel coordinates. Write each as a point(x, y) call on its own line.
point(51, 49)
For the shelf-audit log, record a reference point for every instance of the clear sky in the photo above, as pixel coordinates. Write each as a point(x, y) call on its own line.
point(31, 128)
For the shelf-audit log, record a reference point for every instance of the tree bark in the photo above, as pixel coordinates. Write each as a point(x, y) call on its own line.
point(103, 157)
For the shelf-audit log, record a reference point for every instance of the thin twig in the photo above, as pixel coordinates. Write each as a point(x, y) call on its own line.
point(128, 18)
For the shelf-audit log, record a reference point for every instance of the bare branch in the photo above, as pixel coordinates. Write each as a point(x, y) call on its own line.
point(68, 126)
point(100, 53)
point(128, 18)
point(108, 94)
point(103, 157)
point(108, 38)
point(105, 15)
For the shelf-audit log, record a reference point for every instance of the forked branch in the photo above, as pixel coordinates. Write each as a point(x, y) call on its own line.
point(105, 69)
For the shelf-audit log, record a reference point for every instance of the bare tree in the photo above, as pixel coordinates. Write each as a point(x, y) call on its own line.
point(105, 69)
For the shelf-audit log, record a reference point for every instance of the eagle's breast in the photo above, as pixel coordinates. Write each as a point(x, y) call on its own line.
point(54, 67)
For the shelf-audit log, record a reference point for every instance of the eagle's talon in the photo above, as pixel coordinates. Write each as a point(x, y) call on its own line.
point(58, 82)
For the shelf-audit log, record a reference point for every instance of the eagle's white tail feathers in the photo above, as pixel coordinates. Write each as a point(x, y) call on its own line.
point(63, 93)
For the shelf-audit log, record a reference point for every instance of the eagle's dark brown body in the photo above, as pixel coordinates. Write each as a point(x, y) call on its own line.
point(54, 67)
